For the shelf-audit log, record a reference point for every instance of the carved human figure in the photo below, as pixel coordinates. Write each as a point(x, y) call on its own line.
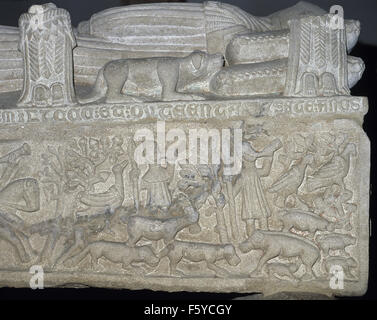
point(46, 42)
point(254, 203)
point(19, 194)
point(11, 160)
point(156, 181)
point(73, 236)
point(158, 192)
point(134, 174)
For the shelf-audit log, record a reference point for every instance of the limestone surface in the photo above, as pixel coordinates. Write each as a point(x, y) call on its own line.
point(184, 147)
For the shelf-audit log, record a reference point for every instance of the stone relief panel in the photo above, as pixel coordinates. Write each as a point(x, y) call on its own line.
point(186, 147)
point(87, 205)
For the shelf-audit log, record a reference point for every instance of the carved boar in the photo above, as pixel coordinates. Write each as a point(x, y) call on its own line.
point(336, 241)
point(303, 221)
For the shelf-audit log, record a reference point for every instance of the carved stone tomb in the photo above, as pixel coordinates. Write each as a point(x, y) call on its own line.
point(184, 146)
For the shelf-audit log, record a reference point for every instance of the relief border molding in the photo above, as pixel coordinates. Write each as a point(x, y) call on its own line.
point(190, 110)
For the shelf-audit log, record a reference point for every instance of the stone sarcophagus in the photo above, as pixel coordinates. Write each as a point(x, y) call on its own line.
point(241, 167)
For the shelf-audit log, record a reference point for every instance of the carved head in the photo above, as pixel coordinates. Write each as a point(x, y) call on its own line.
point(253, 131)
point(36, 21)
point(352, 33)
point(254, 242)
point(356, 68)
point(38, 9)
point(279, 215)
point(123, 213)
point(26, 149)
point(230, 255)
point(196, 72)
point(281, 18)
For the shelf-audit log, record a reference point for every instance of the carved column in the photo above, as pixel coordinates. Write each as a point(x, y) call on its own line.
point(317, 63)
point(46, 42)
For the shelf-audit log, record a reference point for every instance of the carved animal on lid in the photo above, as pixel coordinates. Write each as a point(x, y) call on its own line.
point(167, 29)
point(153, 78)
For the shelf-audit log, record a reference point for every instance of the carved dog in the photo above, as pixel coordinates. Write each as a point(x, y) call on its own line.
point(196, 252)
point(195, 77)
point(283, 270)
point(117, 252)
point(279, 244)
point(158, 229)
point(335, 241)
point(303, 221)
point(156, 79)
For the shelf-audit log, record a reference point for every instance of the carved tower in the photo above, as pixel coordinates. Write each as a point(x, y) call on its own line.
point(317, 63)
point(46, 42)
